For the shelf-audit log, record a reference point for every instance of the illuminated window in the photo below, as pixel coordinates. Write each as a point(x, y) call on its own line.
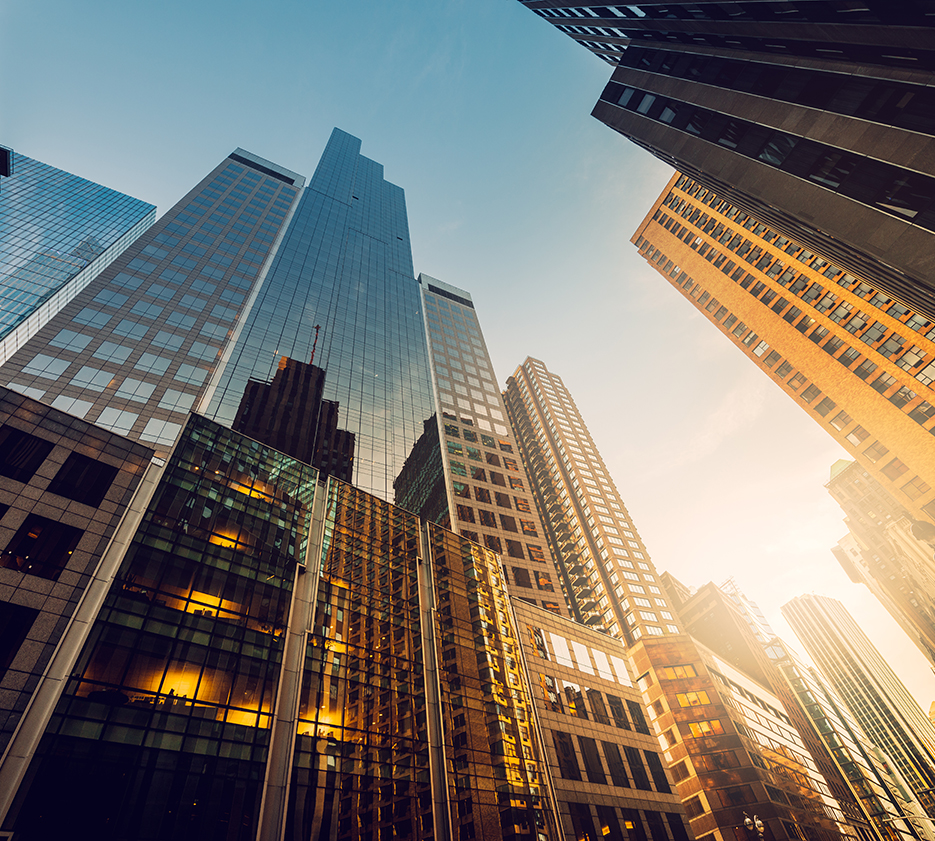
point(705, 728)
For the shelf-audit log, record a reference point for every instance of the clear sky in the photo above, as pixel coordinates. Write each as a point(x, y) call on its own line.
point(481, 111)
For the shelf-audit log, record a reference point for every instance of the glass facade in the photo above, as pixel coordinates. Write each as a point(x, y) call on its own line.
point(57, 233)
point(135, 350)
point(361, 758)
point(491, 493)
point(873, 693)
point(344, 265)
point(164, 726)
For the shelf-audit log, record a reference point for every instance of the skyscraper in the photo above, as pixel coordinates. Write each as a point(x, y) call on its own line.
point(865, 788)
point(57, 233)
point(137, 347)
point(489, 491)
point(606, 570)
point(861, 364)
point(265, 650)
point(344, 264)
point(887, 550)
point(815, 119)
point(873, 693)
point(232, 279)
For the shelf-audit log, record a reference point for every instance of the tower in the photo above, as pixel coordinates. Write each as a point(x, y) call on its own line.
point(814, 119)
point(57, 233)
point(861, 364)
point(607, 573)
point(873, 693)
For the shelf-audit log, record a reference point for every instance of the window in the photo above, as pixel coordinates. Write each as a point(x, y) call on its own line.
point(857, 436)
point(40, 547)
point(83, 479)
point(876, 451)
point(692, 699)
point(705, 728)
point(21, 454)
point(15, 623)
point(544, 581)
point(565, 752)
point(521, 579)
point(693, 807)
point(465, 514)
point(894, 469)
point(915, 488)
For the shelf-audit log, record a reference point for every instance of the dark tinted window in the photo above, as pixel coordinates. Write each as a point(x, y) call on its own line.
point(15, 622)
point(21, 453)
point(41, 547)
point(83, 479)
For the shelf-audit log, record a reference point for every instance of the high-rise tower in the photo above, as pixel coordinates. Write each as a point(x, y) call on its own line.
point(873, 693)
point(607, 572)
point(887, 550)
point(138, 346)
point(262, 650)
point(815, 118)
point(860, 363)
point(57, 233)
point(345, 265)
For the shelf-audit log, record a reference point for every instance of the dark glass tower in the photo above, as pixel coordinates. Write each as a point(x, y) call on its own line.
point(344, 264)
point(815, 117)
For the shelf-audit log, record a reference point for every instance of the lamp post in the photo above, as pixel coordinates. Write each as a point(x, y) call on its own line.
point(754, 824)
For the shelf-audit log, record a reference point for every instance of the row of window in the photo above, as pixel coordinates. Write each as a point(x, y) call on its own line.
point(891, 103)
point(796, 382)
point(799, 284)
point(900, 192)
point(616, 769)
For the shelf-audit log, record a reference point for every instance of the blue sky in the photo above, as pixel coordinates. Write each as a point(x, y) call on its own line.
point(481, 111)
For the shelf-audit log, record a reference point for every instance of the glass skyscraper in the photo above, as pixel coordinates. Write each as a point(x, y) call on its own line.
point(57, 233)
point(232, 279)
point(872, 691)
point(344, 265)
point(135, 349)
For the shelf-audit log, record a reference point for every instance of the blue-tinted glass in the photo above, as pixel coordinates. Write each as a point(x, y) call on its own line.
point(345, 264)
point(54, 227)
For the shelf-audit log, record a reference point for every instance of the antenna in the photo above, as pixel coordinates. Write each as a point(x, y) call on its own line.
point(315, 344)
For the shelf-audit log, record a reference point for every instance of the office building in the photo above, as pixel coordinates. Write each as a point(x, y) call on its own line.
point(888, 551)
point(614, 588)
point(861, 364)
point(873, 780)
point(65, 486)
point(856, 786)
point(57, 233)
point(603, 757)
point(136, 349)
point(489, 494)
point(344, 265)
point(731, 747)
point(815, 119)
point(869, 687)
point(606, 570)
point(235, 277)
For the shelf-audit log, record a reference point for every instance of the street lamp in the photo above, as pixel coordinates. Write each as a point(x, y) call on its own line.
point(754, 824)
